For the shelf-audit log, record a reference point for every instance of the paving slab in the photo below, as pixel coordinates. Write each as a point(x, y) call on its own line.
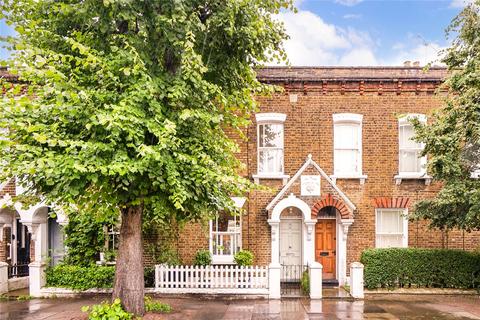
point(388, 307)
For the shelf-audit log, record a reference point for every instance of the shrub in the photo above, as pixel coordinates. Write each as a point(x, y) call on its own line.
point(80, 278)
point(203, 258)
point(164, 254)
point(149, 277)
point(156, 306)
point(305, 282)
point(412, 267)
point(106, 311)
point(244, 258)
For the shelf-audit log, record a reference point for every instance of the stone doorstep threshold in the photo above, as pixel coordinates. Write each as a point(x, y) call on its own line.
point(51, 292)
point(432, 291)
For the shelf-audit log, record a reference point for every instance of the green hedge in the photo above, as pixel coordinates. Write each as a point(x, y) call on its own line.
point(80, 278)
point(411, 267)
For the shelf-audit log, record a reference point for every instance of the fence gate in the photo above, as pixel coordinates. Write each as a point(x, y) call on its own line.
point(290, 280)
point(19, 269)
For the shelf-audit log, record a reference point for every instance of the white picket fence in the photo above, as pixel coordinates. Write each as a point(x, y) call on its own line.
point(211, 279)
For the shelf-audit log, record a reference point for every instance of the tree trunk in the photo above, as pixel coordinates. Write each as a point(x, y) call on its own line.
point(129, 283)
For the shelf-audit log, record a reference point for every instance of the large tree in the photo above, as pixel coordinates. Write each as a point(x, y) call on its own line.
point(127, 106)
point(452, 139)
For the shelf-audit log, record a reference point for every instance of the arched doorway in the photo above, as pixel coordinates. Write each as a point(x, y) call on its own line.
point(291, 237)
point(326, 241)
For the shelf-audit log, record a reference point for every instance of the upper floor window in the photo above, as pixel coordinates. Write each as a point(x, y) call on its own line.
point(270, 143)
point(411, 162)
point(347, 133)
point(391, 229)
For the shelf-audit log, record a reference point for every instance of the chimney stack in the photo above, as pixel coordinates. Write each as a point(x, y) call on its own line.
point(406, 63)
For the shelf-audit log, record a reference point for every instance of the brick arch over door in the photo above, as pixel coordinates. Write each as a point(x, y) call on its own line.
point(330, 201)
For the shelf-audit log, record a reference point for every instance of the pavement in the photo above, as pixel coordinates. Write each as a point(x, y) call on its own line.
point(375, 307)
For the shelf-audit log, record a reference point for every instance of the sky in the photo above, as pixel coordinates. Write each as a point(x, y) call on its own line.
point(360, 32)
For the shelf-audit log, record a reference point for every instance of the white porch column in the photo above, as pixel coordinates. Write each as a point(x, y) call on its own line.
point(275, 232)
point(37, 279)
point(342, 250)
point(309, 242)
point(356, 280)
point(37, 267)
point(315, 272)
point(3, 277)
point(274, 273)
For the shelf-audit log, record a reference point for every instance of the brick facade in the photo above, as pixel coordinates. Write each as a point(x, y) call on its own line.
point(380, 95)
point(310, 98)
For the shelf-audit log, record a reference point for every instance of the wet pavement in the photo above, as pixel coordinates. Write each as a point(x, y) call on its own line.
point(376, 307)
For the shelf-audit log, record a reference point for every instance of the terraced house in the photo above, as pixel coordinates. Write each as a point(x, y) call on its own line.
point(334, 148)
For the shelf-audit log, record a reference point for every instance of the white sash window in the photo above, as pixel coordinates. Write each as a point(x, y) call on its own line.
point(270, 144)
point(411, 162)
point(347, 140)
point(391, 228)
point(225, 237)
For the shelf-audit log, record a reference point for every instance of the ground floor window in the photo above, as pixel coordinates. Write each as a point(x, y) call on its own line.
point(391, 228)
point(225, 237)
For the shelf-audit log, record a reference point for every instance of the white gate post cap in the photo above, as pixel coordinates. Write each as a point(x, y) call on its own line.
point(316, 265)
point(356, 265)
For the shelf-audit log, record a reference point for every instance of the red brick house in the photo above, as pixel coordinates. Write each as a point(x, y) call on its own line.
point(334, 147)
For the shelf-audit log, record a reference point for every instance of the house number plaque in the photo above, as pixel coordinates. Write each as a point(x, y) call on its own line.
point(310, 185)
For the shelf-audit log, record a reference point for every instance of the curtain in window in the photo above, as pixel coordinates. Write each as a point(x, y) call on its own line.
point(389, 228)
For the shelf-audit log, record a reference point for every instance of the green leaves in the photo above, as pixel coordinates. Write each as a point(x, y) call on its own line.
point(452, 139)
point(412, 267)
point(129, 101)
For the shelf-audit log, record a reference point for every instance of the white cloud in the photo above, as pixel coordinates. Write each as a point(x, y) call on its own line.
point(460, 3)
point(352, 16)
point(313, 42)
point(424, 53)
point(348, 3)
point(358, 57)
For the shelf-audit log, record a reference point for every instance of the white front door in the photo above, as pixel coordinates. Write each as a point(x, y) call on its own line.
point(291, 242)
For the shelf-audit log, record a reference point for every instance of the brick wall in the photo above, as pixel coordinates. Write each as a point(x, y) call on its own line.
point(380, 95)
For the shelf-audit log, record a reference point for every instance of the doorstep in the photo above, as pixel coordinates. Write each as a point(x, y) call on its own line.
point(338, 293)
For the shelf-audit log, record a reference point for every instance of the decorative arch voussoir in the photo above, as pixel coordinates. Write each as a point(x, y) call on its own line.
point(393, 202)
point(330, 201)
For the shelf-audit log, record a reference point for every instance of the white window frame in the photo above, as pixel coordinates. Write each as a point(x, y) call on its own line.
point(216, 237)
point(406, 121)
point(355, 119)
point(475, 174)
point(274, 119)
point(405, 226)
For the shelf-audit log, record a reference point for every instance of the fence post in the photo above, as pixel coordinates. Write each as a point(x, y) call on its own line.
point(3, 277)
point(315, 272)
point(274, 270)
point(36, 277)
point(356, 280)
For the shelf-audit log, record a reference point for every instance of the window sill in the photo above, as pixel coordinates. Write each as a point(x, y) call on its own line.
point(416, 176)
point(222, 259)
point(271, 176)
point(361, 177)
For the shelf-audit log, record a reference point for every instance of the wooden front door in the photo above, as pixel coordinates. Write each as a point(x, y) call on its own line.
point(326, 246)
